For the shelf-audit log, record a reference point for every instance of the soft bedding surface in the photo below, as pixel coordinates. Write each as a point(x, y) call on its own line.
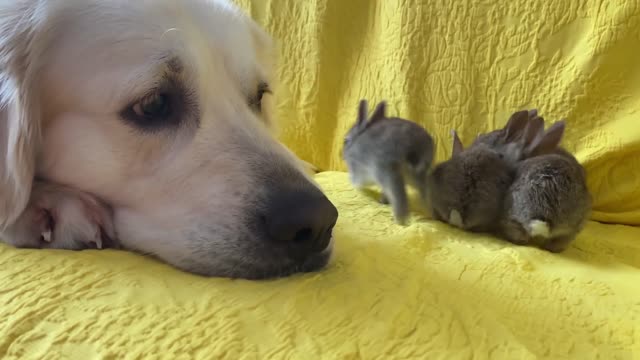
point(421, 291)
point(425, 292)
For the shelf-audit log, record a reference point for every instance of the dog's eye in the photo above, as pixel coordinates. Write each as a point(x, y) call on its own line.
point(153, 107)
point(167, 105)
point(263, 88)
point(153, 112)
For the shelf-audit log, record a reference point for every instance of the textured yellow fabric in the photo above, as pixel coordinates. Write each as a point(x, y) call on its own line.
point(423, 291)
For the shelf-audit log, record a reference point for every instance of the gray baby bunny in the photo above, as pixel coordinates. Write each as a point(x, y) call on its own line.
point(510, 141)
point(467, 190)
point(548, 202)
point(389, 152)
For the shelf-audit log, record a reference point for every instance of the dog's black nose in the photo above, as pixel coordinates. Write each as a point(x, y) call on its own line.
point(302, 221)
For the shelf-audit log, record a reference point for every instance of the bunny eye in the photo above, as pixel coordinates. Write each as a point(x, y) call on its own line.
point(347, 140)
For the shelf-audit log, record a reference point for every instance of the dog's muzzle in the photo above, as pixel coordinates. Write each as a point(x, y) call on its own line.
point(300, 221)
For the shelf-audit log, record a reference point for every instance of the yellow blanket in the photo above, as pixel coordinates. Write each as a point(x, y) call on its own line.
point(421, 291)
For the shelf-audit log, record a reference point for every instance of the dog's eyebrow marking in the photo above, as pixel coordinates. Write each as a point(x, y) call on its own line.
point(174, 64)
point(170, 63)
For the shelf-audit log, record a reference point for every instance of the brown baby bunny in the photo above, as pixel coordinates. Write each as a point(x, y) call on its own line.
point(548, 202)
point(467, 190)
point(510, 140)
point(389, 152)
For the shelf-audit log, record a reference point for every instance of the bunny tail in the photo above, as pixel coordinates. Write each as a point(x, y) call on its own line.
point(538, 228)
point(455, 219)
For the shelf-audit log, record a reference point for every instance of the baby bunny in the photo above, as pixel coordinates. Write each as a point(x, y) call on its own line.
point(510, 140)
point(389, 151)
point(548, 202)
point(467, 190)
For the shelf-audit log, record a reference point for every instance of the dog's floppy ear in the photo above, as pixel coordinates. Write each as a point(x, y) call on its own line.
point(19, 110)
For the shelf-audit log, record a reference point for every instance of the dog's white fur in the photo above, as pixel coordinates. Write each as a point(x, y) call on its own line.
point(67, 70)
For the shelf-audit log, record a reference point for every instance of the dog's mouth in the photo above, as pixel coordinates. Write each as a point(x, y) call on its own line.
point(290, 265)
point(260, 261)
point(313, 263)
point(272, 270)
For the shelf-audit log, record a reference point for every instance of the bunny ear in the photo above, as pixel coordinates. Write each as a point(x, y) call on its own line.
point(534, 129)
point(362, 113)
point(516, 125)
point(457, 144)
point(549, 141)
point(379, 112)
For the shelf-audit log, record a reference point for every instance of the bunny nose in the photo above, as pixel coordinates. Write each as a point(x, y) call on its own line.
point(301, 221)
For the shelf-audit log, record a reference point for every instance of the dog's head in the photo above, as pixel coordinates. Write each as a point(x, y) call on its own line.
point(161, 109)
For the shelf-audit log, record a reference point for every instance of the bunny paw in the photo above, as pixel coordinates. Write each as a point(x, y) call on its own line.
point(62, 218)
point(401, 215)
point(558, 245)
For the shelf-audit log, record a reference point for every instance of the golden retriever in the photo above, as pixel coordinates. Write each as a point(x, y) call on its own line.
point(145, 125)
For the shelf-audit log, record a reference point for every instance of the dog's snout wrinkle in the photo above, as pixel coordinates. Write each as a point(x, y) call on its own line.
point(301, 221)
